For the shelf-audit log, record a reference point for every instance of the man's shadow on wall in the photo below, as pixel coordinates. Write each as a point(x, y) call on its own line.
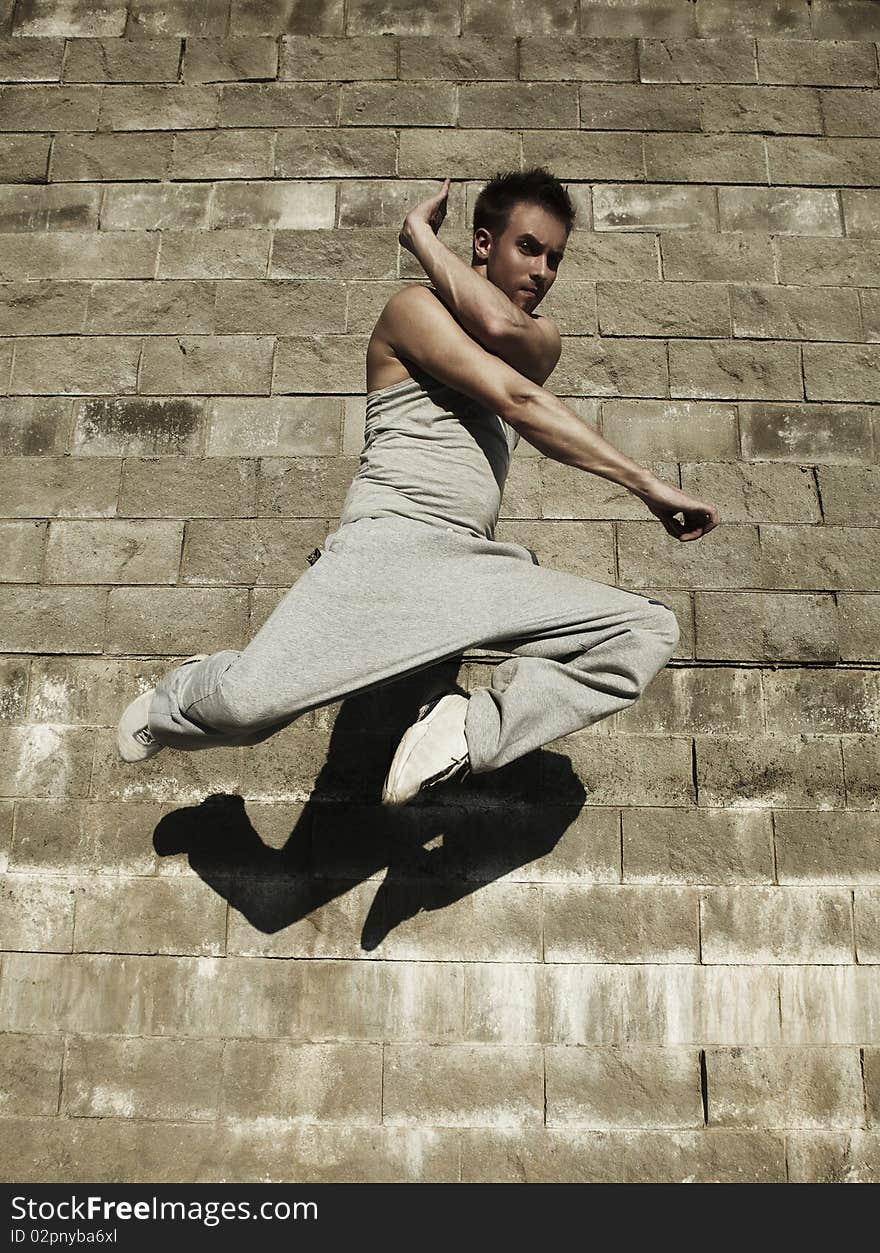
point(448, 843)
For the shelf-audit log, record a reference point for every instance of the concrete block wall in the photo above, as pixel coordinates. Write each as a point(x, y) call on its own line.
point(649, 952)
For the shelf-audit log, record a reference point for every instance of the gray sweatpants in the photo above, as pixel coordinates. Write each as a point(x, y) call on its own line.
point(391, 596)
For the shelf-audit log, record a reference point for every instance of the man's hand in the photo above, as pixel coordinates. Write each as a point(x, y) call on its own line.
point(665, 501)
point(430, 212)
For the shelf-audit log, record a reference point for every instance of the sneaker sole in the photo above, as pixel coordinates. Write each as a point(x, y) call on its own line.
point(134, 717)
point(410, 740)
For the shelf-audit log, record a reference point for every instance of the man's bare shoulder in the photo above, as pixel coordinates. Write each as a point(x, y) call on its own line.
point(415, 300)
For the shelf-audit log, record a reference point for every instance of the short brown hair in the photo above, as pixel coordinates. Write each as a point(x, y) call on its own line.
point(505, 189)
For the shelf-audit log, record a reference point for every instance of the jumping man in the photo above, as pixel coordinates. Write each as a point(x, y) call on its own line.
point(413, 575)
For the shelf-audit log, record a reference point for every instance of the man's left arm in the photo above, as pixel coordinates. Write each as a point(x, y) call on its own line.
point(531, 345)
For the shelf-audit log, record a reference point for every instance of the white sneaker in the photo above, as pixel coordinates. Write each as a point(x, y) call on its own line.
point(134, 739)
point(431, 751)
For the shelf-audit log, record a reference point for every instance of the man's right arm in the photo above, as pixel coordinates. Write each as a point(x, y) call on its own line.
point(419, 328)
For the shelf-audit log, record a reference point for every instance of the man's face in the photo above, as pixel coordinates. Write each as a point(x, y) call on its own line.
point(526, 255)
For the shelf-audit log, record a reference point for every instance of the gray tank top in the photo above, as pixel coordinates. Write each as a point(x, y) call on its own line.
point(431, 453)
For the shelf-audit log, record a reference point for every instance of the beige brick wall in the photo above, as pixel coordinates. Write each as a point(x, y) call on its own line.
point(649, 952)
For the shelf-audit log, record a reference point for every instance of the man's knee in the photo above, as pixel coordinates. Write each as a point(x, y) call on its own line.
point(662, 622)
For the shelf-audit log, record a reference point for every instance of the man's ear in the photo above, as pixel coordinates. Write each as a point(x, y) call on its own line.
point(481, 243)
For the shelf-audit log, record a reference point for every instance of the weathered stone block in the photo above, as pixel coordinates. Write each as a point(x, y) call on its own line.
point(661, 1004)
point(37, 913)
point(793, 313)
point(636, 771)
point(223, 154)
point(150, 106)
point(352, 253)
point(833, 1156)
point(568, 493)
point(698, 309)
point(822, 701)
point(788, 1087)
point(187, 487)
point(51, 208)
point(859, 627)
point(21, 551)
point(276, 104)
point(132, 425)
point(309, 1083)
point(697, 846)
point(592, 156)
point(620, 924)
point(766, 110)
point(304, 487)
point(236, 364)
point(210, 60)
point(750, 371)
point(729, 557)
point(827, 162)
point(842, 372)
point(117, 1078)
point(683, 701)
point(653, 430)
point(806, 432)
point(24, 158)
point(386, 204)
point(274, 205)
point(157, 207)
point(64, 836)
point(866, 904)
point(721, 59)
point(49, 107)
point(149, 916)
point(13, 689)
point(110, 551)
point(52, 620)
point(74, 254)
point(630, 1086)
point(462, 1085)
point(325, 58)
point(827, 848)
point(344, 152)
point(569, 546)
point(782, 926)
point(475, 58)
point(215, 254)
point(122, 60)
point(705, 158)
point(639, 107)
point(637, 17)
point(766, 626)
point(30, 59)
point(754, 491)
point(612, 367)
point(797, 772)
point(30, 1074)
point(59, 486)
point(752, 17)
point(170, 620)
point(700, 256)
point(46, 760)
point(826, 557)
point(779, 210)
point(397, 104)
point(76, 366)
point(829, 1004)
point(81, 157)
point(860, 761)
